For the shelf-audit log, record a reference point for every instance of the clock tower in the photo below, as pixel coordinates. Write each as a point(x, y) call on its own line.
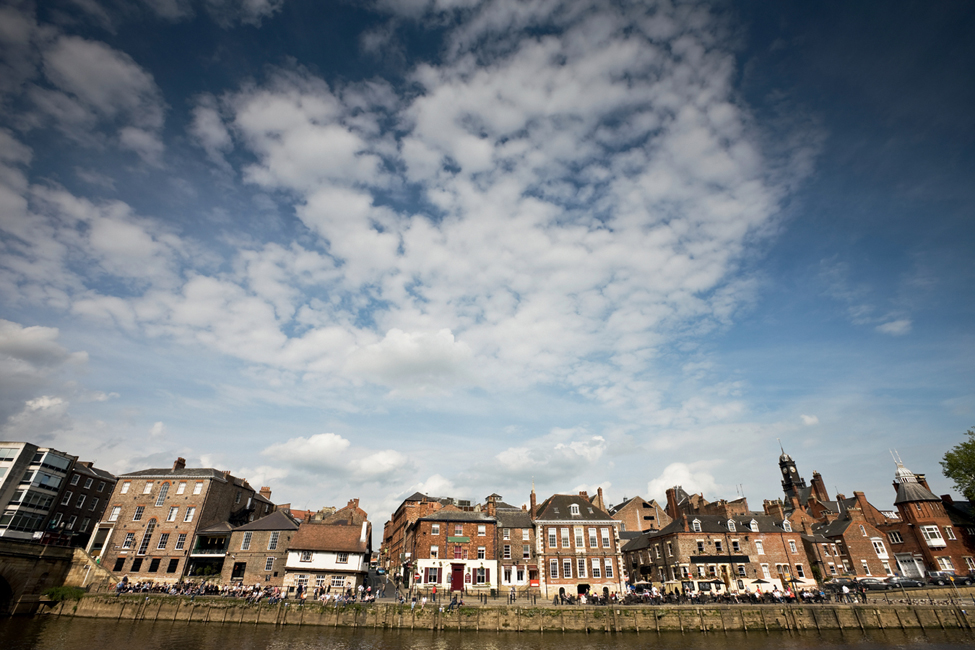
point(791, 481)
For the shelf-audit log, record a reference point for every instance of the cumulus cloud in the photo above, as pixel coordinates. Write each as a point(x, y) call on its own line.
point(158, 430)
point(32, 360)
point(809, 420)
point(413, 362)
point(896, 327)
point(560, 453)
point(335, 456)
point(693, 477)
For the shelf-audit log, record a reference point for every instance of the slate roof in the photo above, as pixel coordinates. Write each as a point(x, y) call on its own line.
point(718, 524)
point(325, 537)
point(169, 472)
point(217, 529)
point(449, 514)
point(277, 520)
point(556, 508)
point(82, 468)
point(514, 518)
point(961, 513)
point(909, 491)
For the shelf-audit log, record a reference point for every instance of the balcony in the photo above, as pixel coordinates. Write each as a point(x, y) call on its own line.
point(221, 552)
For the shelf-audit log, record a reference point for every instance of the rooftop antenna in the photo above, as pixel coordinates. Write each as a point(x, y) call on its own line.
point(895, 456)
point(780, 445)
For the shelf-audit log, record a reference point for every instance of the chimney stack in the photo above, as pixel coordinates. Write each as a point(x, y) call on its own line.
point(179, 464)
point(672, 503)
point(265, 492)
point(534, 506)
point(601, 504)
point(819, 487)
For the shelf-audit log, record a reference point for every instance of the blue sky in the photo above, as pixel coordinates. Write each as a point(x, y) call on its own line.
point(362, 249)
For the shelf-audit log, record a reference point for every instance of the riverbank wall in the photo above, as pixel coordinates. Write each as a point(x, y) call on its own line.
point(628, 619)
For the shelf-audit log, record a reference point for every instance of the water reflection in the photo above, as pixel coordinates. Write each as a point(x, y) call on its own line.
point(88, 634)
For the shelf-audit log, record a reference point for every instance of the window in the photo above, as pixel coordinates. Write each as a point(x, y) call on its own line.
point(731, 525)
point(75, 479)
point(524, 534)
point(198, 488)
point(180, 541)
point(592, 538)
point(670, 549)
point(245, 544)
point(574, 510)
point(67, 498)
point(580, 537)
point(188, 517)
point(863, 530)
point(144, 546)
point(173, 564)
point(526, 551)
point(137, 565)
point(765, 572)
point(163, 491)
point(605, 532)
point(565, 538)
point(879, 547)
point(338, 581)
point(88, 483)
point(319, 581)
point(138, 513)
point(718, 546)
point(431, 574)
point(481, 553)
point(458, 530)
point(735, 546)
point(608, 565)
point(506, 533)
point(792, 546)
point(272, 542)
point(434, 552)
point(581, 566)
point(949, 533)
point(970, 563)
point(481, 576)
point(237, 499)
point(866, 567)
point(596, 573)
point(113, 516)
point(305, 556)
point(129, 540)
point(567, 569)
point(84, 524)
point(101, 486)
point(696, 525)
point(945, 564)
point(759, 547)
point(342, 558)
point(173, 511)
point(301, 579)
point(800, 573)
point(741, 570)
point(181, 487)
point(125, 487)
point(55, 520)
point(700, 546)
point(931, 534)
point(753, 525)
point(895, 537)
point(148, 488)
point(787, 526)
point(94, 503)
point(163, 540)
point(553, 569)
point(71, 520)
point(434, 529)
point(506, 552)
point(269, 564)
point(552, 538)
point(458, 552)
point(832, 569)
point(80, 502)
point(481, 530)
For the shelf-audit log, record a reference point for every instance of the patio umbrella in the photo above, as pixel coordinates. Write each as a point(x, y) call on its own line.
point(761, 582)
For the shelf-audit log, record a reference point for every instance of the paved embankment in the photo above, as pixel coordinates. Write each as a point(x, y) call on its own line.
point(639, 619)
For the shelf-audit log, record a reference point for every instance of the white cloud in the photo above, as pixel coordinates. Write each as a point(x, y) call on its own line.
point(896, 327)
point(158, 430)
point(809, 420)
point(334, 456)
point(550, 458)
point(693, 477)
point(413, 363)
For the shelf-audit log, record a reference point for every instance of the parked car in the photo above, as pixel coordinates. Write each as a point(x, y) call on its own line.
point(946, 578)
point(896, 582)
point(836, 584)
point(873, 583)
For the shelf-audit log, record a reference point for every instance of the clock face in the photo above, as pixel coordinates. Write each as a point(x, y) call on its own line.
point(793, 470)
point(785, 470)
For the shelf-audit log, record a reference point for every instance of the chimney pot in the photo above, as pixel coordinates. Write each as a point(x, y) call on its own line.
point(179, 464)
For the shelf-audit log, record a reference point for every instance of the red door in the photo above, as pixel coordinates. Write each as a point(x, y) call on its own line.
point(456, 577)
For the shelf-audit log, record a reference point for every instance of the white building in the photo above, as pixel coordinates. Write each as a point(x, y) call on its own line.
point(331, 558)
point(32, 479)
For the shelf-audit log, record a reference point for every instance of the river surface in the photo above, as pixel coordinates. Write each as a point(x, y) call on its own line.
point(100, 634)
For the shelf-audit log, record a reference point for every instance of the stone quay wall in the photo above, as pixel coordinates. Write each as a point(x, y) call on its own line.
point(634, 619)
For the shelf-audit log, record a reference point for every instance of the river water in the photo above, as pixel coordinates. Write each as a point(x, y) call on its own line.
point(44, 633)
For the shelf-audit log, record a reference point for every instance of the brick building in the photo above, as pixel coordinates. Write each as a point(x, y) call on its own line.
point(80, 505)
point(698, 550)
point(638, 515)
point(328, 557)
point(577, 545)
point(962, 515)
point(453, 549)
point(923, 536)
point(517, 563)
point(394, 551)
point(163, 524)
point(259, 550)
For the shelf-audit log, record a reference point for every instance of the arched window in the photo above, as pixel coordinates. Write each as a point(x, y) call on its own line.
point(786, 526)
point(731, 525)
point(163, 491)
point(144, 546)
point(696, 525)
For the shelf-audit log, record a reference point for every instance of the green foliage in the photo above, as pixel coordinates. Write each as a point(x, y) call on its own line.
point(57, 594)
point(958, 464)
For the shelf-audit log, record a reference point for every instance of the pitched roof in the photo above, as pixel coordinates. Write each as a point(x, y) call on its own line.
point(277, 520)
point(909, 491)
point(719, 524)
point(169, 472)
point(326, 537)
point(514, 518)
point(217, 529)
point(452, 514)
point(557, 508)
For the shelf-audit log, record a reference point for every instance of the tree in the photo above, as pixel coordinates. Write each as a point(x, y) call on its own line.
point(958, 464)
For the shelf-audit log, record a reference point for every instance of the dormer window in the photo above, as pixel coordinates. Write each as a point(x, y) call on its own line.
point(786, 526)
point(696, 526)
point(731, 525)
point(753, 525)
point(574, 510)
